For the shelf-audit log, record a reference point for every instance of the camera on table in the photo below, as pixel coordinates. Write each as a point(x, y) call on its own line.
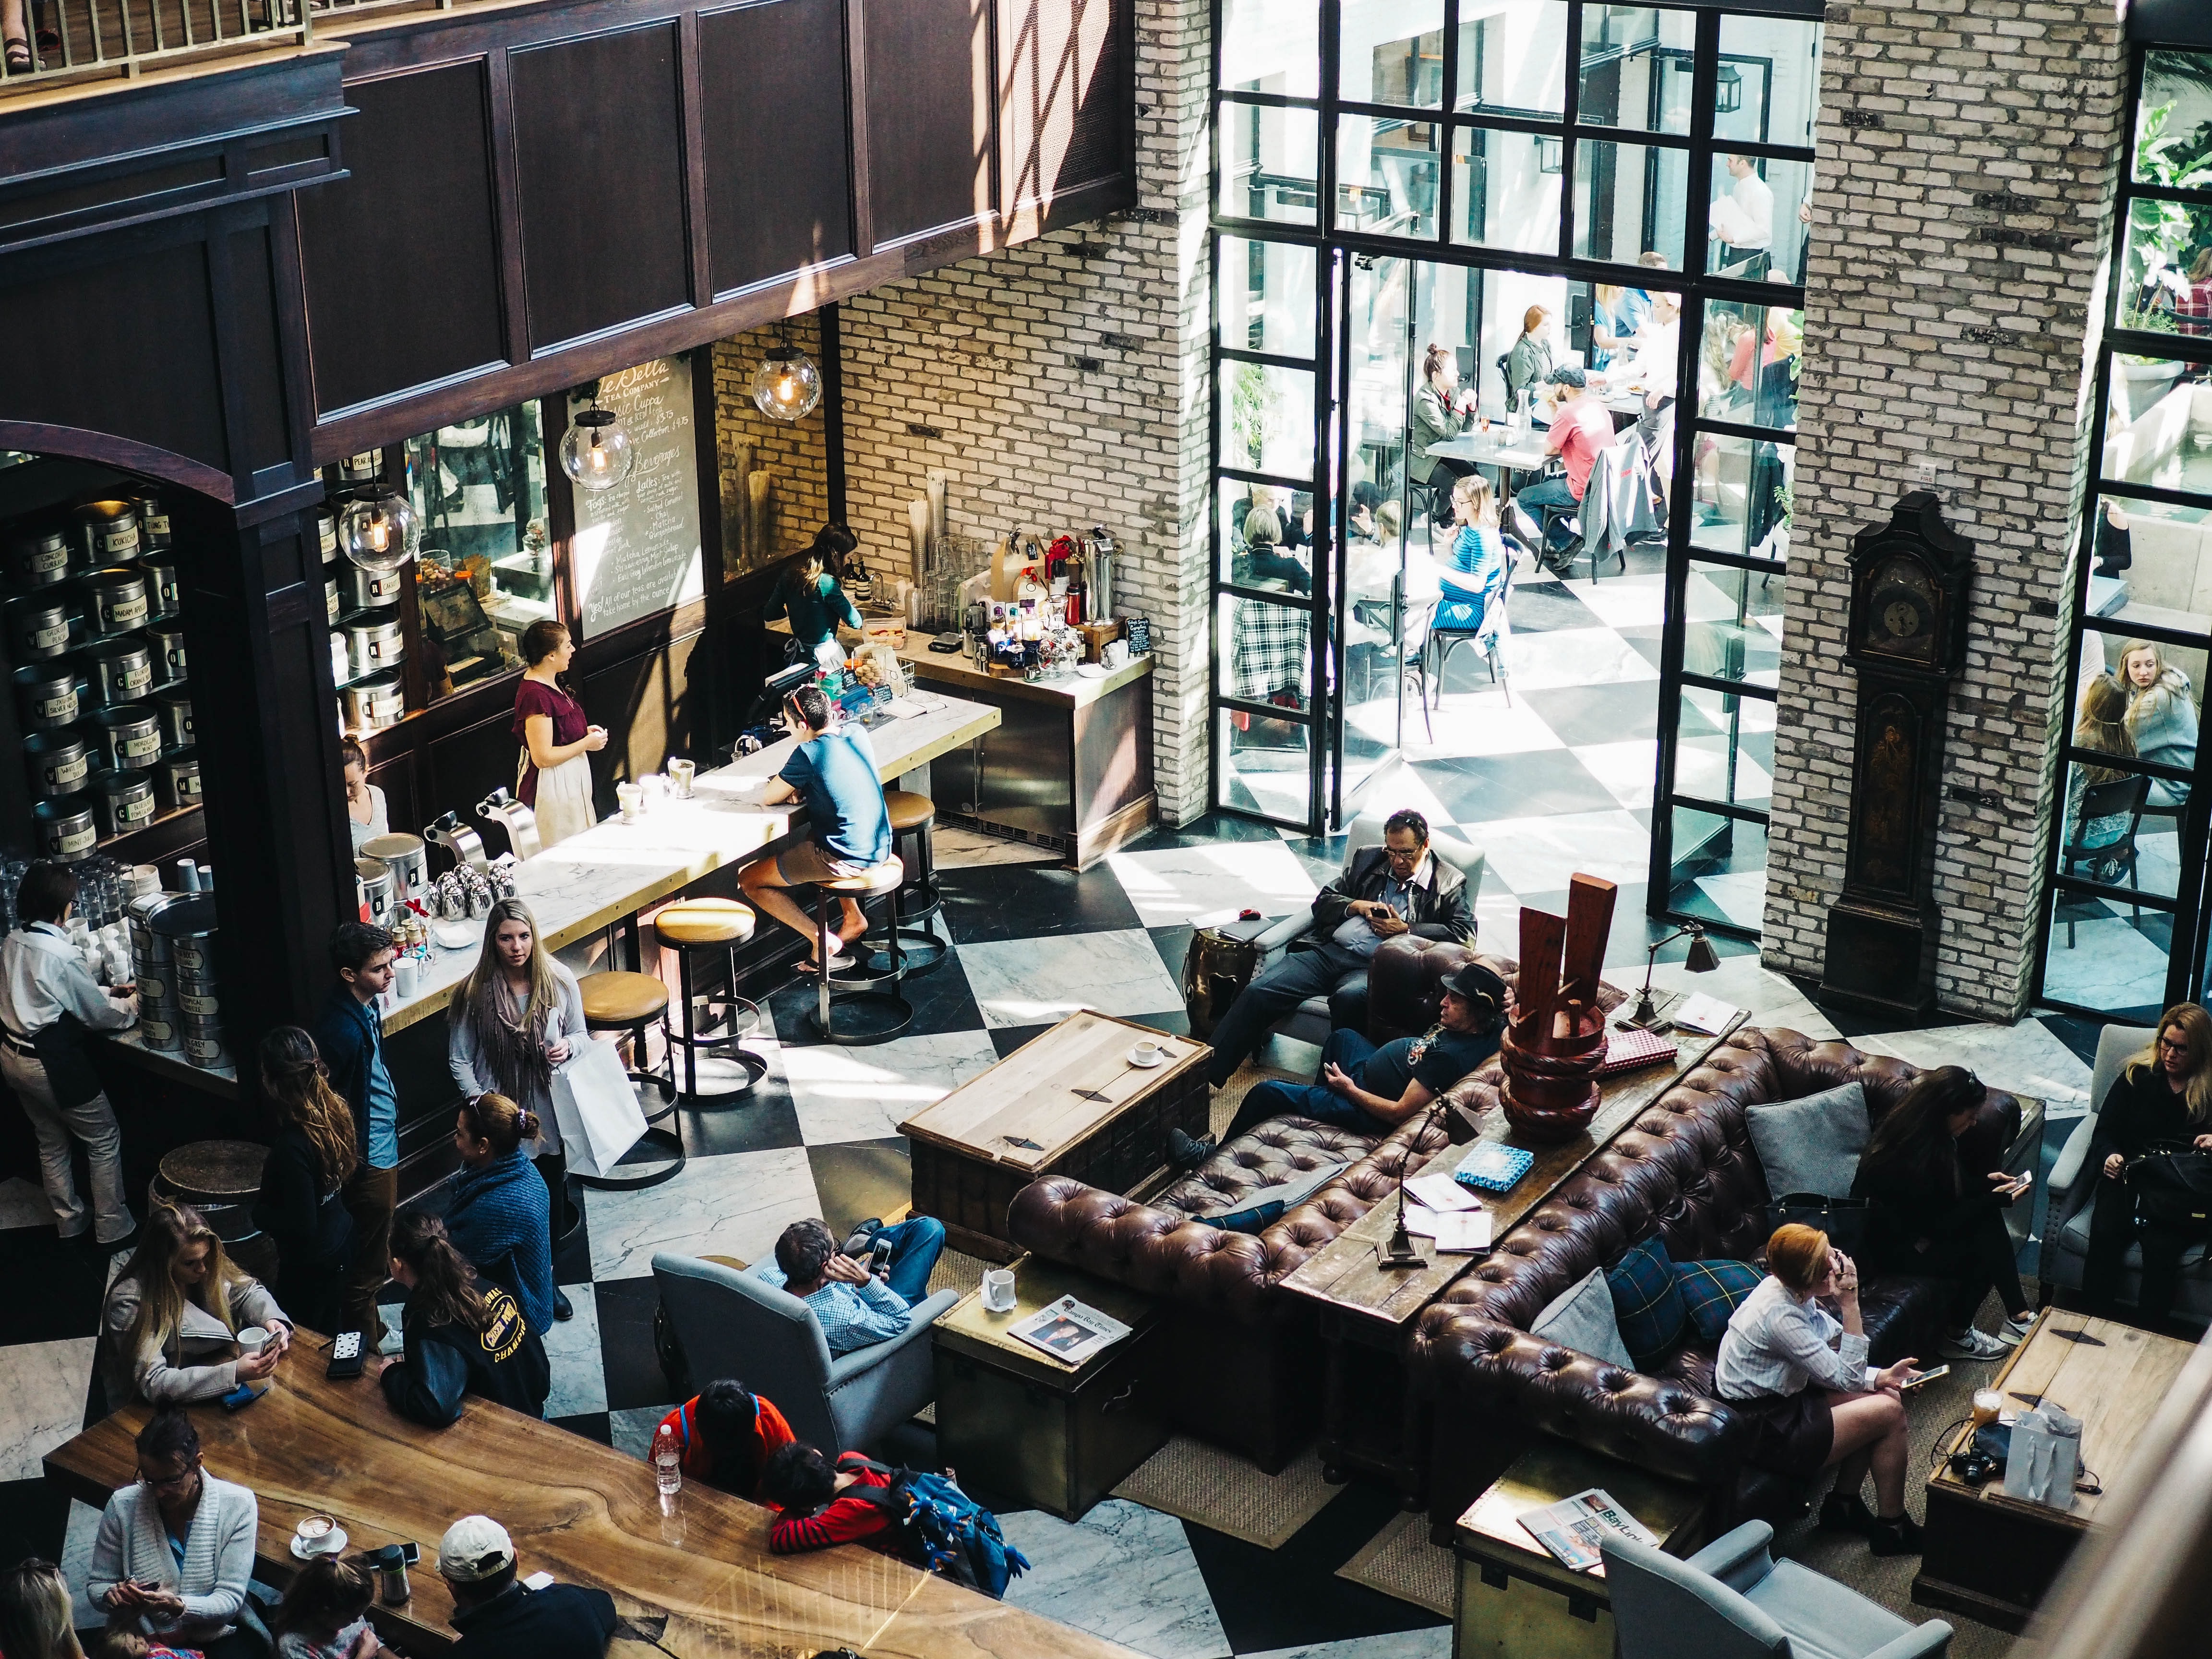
point(1975, 1468)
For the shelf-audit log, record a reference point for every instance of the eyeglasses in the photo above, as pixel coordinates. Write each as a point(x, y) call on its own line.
point(170, 1482)
point(1397, 857)
point(2172, 1048)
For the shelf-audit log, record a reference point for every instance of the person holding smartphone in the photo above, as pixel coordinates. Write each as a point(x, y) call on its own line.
point(175, 1548)
point(1800, 1376)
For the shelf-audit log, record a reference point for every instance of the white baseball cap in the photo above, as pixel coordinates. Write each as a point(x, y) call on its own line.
point(475, 1548)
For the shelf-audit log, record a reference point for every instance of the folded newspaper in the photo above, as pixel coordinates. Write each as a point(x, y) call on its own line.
point(1070, 1331)
point(1574, 1527)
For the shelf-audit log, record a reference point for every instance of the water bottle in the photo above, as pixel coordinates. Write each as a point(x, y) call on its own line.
point(667, 1468)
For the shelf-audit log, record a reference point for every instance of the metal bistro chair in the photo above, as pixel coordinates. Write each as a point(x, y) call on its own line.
point(1442, 641)
point(2109, 800)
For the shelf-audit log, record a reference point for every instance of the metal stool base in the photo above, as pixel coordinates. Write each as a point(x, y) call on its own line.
point(652, 1177)
point(717, 1066)
point(920, 951)
point(859, 1018)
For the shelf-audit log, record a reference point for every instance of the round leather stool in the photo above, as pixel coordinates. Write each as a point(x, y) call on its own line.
point(635, 1003)
point(875, 1014)
point(913, 815)
point(221, 1179)
point(712, 923)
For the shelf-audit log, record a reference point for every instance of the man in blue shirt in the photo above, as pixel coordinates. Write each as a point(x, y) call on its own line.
point(349, 1034)
point(848, 826)
point(856, 1307)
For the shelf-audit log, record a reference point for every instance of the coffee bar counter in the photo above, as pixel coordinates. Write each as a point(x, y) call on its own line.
point(1070, 763)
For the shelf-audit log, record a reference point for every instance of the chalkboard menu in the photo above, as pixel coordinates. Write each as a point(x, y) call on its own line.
point(636, 546)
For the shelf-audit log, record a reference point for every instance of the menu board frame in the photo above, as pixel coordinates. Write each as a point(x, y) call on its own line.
point(639, 548)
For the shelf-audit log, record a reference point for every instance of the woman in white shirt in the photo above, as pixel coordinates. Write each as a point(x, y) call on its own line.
point(1801, 1379)
point(366, 816)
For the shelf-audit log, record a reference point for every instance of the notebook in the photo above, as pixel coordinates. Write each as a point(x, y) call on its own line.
point(1492, 1167)
point(1626, 1049)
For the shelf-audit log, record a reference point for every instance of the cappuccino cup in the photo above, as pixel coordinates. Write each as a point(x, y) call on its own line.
point(318, 1534)
point(1147, 1053)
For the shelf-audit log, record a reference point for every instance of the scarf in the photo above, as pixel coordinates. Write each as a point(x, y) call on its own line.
point(509, 1040)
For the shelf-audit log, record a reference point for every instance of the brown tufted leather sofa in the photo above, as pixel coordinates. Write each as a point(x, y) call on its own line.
point(1249, 1366)
point(1684, 1170)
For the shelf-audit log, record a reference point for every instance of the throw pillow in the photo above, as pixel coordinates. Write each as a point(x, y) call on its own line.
point(1711, 1291)
point(1812, 1145)
point(1581, 1317)
point(1647, 1302)
point(1264, 1207)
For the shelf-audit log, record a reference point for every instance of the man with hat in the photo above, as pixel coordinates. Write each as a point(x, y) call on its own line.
point(1373, 1090)
point(501, 1618)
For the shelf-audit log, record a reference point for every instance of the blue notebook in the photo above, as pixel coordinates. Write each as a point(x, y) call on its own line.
point(1492, 1167)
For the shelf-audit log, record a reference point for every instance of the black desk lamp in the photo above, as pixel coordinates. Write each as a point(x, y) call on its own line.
point(1702, 959)
point(1401, 1251)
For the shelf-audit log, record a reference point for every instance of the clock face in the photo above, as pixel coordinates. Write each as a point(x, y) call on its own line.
point(1900, 611)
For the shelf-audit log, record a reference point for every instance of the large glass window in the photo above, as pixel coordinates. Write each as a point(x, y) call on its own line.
point(2125, 920)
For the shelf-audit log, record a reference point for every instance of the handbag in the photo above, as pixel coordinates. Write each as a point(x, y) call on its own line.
point(596, 1108)
point(2173, 1185)
point(1216, 969)
point(1843, 1219)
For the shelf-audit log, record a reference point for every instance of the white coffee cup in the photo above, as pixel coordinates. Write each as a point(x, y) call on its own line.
point(251, 1341)
point(998, 1289)
point(680, 774)
point(1147, 1053)
point(402, 977)
point(632, 799)
point(318, 1534)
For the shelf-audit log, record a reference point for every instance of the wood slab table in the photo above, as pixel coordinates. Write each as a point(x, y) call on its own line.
point(1067, 1103)
point(581, 1510)
point(1992, 1557)
point(1372, 1422)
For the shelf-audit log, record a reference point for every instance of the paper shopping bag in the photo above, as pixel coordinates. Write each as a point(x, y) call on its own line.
point(597, 1108)
point(2045, 1458)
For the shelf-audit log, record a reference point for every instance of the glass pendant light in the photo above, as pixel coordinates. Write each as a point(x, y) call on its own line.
point(787, 385)
point(596, 452)
point(377, 531)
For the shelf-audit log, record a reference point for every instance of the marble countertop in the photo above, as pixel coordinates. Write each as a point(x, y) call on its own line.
point(614, 869)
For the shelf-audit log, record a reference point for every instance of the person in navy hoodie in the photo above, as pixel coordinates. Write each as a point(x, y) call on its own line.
point(500, 1219)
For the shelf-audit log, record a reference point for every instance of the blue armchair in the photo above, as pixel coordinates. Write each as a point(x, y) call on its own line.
point(1733, 1600)
point(730, 1324)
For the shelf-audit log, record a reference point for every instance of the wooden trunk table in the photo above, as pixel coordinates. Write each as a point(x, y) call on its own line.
point(1070, 1103)
point(1372, 1423)
point(1514, 1598)
point(1992, 1557)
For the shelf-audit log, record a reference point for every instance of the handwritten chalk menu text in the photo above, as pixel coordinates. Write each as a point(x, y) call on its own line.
point(636, 546)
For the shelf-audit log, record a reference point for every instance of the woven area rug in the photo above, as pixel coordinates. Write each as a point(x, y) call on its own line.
point(1219, 1490)
point(1401, 1562)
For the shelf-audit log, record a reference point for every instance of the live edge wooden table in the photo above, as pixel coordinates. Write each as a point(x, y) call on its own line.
point(581, 1510)
point(1372, 1422)
point(1067, 1103)
point(1992, 1557)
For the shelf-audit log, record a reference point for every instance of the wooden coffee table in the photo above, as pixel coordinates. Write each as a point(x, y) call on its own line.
point(1371, 1422)
point(1992, 1557)
point(1070, 1103)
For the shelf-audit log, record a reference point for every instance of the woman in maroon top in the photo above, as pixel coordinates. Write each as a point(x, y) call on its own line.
point(554, 775)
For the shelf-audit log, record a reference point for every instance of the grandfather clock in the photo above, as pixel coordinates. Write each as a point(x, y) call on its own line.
point(1907, 639)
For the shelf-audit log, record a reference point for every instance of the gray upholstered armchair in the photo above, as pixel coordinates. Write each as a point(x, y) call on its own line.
point(1733, 1600)
point(732, 1324)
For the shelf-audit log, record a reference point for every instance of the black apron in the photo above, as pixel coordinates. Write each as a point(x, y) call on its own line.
point(60, 1049)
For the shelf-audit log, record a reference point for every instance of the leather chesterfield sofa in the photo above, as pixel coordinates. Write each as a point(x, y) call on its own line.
point(1249, 1363)
point(1684, 1170)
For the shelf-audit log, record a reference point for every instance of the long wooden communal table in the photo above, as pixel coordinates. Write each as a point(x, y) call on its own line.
point(581, 1510)
point(1372, 1422)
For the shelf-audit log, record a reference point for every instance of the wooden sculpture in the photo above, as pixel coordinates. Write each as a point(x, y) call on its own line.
point(1555, 1042)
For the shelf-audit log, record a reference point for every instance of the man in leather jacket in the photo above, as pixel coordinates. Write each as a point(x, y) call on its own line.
point(1400, 887)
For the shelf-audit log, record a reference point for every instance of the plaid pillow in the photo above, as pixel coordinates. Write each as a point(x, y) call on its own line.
point(1647, 1302)
point(1711, 1291)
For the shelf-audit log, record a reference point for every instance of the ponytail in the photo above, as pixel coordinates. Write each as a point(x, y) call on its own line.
point(498, 1120)
point(445, 1284)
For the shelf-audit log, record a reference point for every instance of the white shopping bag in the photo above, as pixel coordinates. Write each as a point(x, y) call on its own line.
point(2045, 1457)
point(596, 1106)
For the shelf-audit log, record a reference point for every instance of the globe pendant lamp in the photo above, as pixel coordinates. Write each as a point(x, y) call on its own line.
point(596, 451)
point(377, 531)
point(786, 386)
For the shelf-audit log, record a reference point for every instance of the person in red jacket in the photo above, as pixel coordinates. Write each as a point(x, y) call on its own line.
point(813, 1511)
point(727, 1435)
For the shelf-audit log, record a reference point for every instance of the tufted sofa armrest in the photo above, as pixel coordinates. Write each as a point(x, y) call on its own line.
point(1163, 1252)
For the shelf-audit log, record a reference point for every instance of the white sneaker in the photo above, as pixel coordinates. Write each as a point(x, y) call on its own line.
point(1971, 1344)
point(2014, 1332)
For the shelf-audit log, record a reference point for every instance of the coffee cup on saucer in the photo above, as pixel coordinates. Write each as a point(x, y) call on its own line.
point(1147, 1053)
point(317, 1534)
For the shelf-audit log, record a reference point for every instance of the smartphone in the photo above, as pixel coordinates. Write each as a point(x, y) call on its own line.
point(1928, 1376)
point(410, 1552)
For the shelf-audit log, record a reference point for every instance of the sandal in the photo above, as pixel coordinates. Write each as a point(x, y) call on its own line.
point(19, 59)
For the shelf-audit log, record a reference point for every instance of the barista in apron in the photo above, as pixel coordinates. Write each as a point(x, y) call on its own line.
point(553, 776)
point(47, 1002)
point(810, 595)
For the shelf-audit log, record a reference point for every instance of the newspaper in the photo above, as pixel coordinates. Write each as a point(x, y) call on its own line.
point(1457, 1233)
point(1070, 1331)
point(1574, 1527)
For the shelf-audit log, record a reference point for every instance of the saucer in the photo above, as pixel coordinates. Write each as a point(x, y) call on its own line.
point(1158, 1059)
point(299, 1554)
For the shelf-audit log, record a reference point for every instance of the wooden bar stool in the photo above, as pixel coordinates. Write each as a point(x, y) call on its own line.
point(876, 1015)
point(913, 815)
point(712, 923)
point(615, 1001)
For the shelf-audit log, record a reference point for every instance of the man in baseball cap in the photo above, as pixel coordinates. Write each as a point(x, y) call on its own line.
point(499, 1617)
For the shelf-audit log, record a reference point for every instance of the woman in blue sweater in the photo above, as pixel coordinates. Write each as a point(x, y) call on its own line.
point(500, 1220)
point(1476, 564)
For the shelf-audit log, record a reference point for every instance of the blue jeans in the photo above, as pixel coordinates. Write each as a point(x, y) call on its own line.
point(1547, 496)
point(916, 1246)
point(1325, 969)
point(1349, 1050)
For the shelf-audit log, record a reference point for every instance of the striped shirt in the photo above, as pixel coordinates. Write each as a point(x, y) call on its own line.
point(1777, 1343)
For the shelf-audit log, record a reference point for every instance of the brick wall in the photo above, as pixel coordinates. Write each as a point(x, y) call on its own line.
point(795, 455)
point(1063, 384)
point(1967, 154)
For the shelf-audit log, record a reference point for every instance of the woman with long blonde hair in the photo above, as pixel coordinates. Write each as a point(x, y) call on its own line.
point(2163, 1098)
point(313, 1157)
point(517, 1015)
point(2162, 717)
point(1475, 563)
point(2102, 724)
point(170, 1325)
point(35, 1613)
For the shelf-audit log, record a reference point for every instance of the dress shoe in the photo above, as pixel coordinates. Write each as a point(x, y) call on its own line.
point(563, 1308)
